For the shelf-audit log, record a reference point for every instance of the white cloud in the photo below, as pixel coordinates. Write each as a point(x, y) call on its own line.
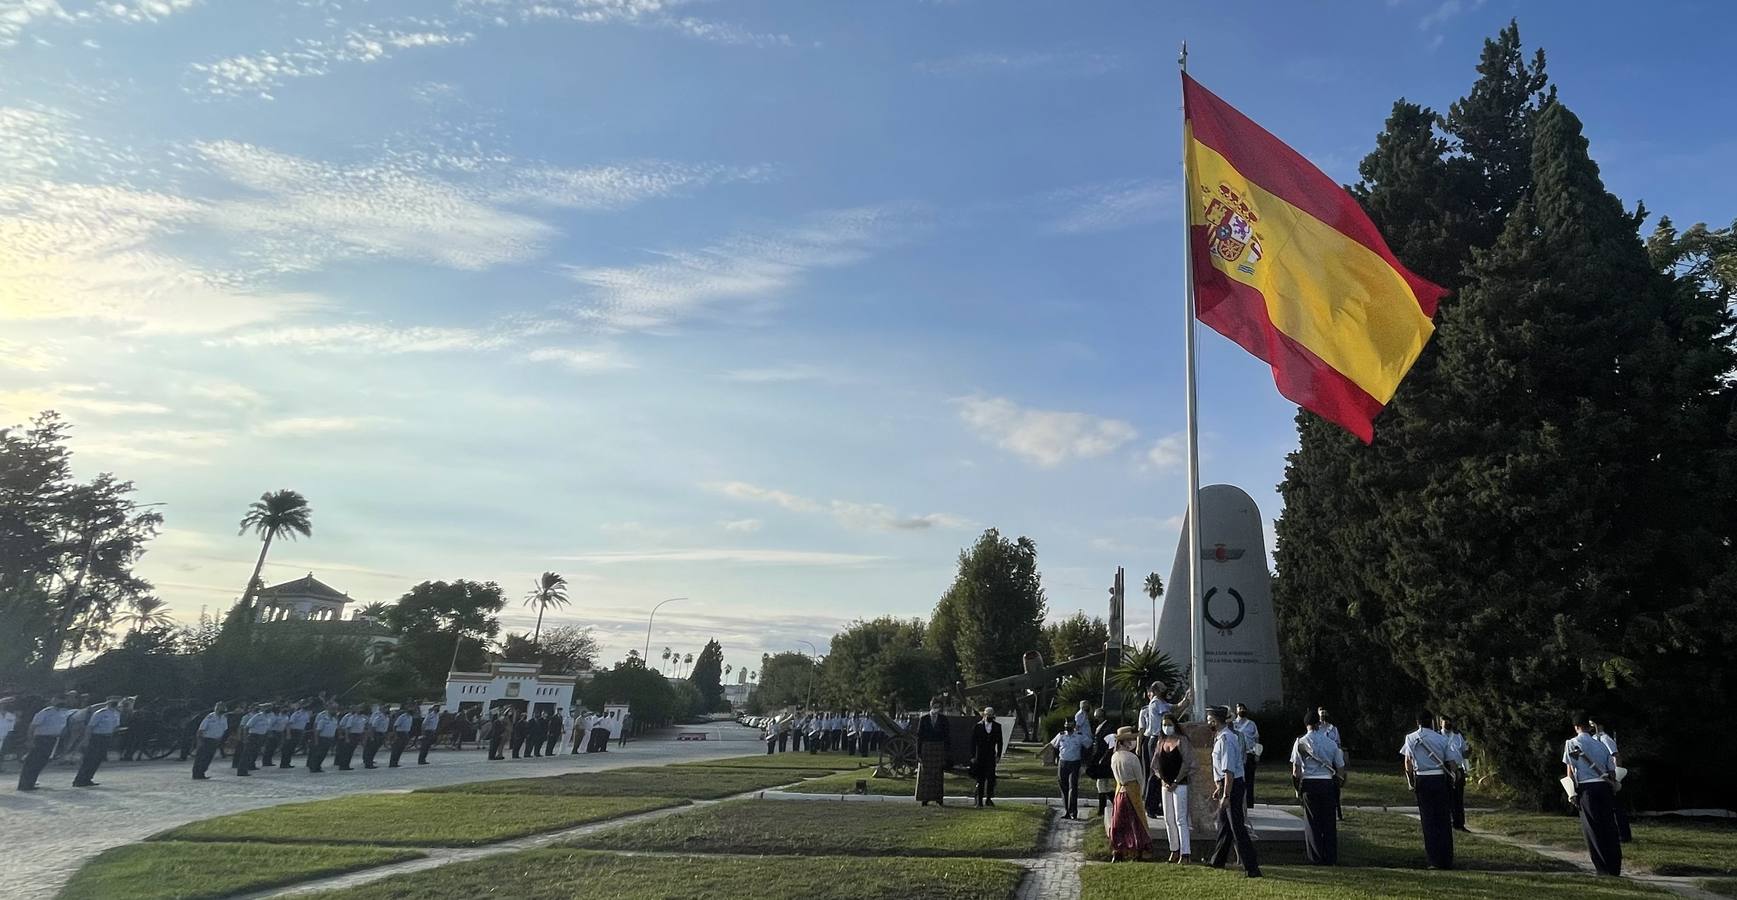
point(778, 375)
point(1168, 452)
point(258, 74)
point(742, 526)
point(746, 266)
point(725, 555)
point(306, 426)
point(613, 187)
point(378, 339)
point(19, 16)
point(1046, 437)
point(308, 213)
point(227, 393)
point(29, 357)
point(577, 359)
point(86, 399)
point(646, 13)
point(862, 516)
point(1111, 205)
point(176, 445)
point(1055, 62)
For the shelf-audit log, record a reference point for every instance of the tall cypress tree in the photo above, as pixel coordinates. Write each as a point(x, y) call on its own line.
point(1543, 571)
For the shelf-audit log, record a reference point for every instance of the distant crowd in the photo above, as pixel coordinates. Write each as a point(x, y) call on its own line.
point(856, 733)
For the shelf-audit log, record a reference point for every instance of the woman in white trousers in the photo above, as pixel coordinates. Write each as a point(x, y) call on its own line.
point(1172, 765)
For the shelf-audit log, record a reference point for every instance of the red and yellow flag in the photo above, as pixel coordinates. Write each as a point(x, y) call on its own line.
point(1288, 266)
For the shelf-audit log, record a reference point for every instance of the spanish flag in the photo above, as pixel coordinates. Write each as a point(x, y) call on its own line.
point(1288, 266)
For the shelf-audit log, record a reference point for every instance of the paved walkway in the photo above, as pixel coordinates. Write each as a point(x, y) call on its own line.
point(1684, 886)
point(53, 831)
point(1055, 873)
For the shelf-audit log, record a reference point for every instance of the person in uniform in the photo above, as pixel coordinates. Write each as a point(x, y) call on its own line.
point(1172, 767)
point(273, 736)
point(1315, 763)
point(99, 733)
point(553, 736)
point(1228, 759)
point(932, 756)
point(47, 727)
point(1457, 786)
point(8, 721)
point(253, 730)
point(986, 747)
point(379, 725)
point(1609, 741)
point(1083, 718)
point(1590, 764)
point(1331, 730)
point(518, 728)
point(1071, 748)
point(535, 729)
point(350, 727)
point(1129, 836)
point(1429, 766)
point(295, 730)
point(325, 735)
point(402, 725)
point(209, 733)
point(1251, 738)
point(496, 735)
point(430, 728)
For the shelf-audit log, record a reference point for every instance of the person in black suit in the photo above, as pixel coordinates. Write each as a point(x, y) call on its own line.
point(535, 731)
point(986, 747)
point(517, 730)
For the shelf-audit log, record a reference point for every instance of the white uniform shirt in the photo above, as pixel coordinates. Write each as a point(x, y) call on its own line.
point(298, 721)
point(1457, 743)
point(352, 723)
point(431, 722)
point(1251, 733)
point(1082, 722)
point(49, 721)
point(1593, 758)
point(326, 724)
point(105, 721)
point(1144, 721)
point(1331, 730)
point(258, 723)
point(1420, 744)
point(1153, 716)
point(378, 721)
point(404, 722)
point(214, 725)
point(1323, 752)
point(1609, 742)
point(1227, 755)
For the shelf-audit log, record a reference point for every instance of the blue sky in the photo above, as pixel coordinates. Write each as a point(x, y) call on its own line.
point(773, 305)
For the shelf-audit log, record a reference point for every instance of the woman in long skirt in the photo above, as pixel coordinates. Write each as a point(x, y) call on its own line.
point(1129, 837)
point(932, 756)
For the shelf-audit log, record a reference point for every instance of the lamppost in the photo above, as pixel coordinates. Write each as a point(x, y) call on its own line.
point(811, 672)
point(648, 622)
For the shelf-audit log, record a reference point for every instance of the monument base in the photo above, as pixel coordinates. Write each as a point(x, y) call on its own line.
point(1269, 823)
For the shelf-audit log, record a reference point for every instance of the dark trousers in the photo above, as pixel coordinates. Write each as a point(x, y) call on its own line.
point(291, 743)
point(247, 753)
point(1433, 802)
point(518, 743)
point(1622, 820)
point(551, 743)
point(1249, 764)
point(317, 754)
point(268, 751)
point(599, 740)
point(96, 750)
point(202, 756)
point(534, 744)
point(771, 744)
point(40, 750)
point(1233, 832)
point(1598, 825)
point(1457, 802)
point(985, 791)
point(423, 747)
point(1321, 821)
point(370, 748)
point(495, 746)
point(346, 752)
point(399, 739)
point(1070, 786)
point(783, 741)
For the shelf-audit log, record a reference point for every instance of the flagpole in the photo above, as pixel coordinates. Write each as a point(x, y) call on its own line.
point(1196, 612)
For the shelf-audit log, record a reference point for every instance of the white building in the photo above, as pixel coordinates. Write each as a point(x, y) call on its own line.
point(520, 685)
point(304, 598)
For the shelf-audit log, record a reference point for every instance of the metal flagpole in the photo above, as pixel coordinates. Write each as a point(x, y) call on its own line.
point(1196, 614)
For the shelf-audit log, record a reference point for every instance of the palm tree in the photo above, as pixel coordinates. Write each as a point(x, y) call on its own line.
point(375, 611)
point(728, 669)
point(1140, 667)
point(549, 590)
point(1154, 589)
point(689, 662)
point(148, 612)
point(276, 513)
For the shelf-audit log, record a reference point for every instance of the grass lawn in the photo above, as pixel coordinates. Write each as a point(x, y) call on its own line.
point(683, 782)
point(819, 828)
point(563, 874)
point(1370, 839)
point(1363, 787)
point(818, 763)
point(176, 869)
point(1726, 887)
point(414, 820)
point(1662, 846)
point(1119, 882)
point(955, 785)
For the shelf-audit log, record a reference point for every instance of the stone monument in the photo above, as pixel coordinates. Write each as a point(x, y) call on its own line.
point(1241, 628)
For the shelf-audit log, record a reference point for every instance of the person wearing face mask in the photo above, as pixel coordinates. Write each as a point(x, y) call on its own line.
point(1172, 764)
point(1071, 748)
point(986, 745)
point(1098, 764)
point(1228, 759)
point(932, 756)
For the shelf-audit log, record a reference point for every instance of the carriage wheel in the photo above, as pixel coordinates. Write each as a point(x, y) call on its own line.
point(902, 755)
point(157, 746)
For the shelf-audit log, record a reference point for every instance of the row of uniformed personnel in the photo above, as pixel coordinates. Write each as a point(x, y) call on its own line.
point(268, 732)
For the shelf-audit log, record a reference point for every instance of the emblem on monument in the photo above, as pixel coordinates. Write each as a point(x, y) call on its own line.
point(1232, 221)
point(1220, 553)
point(1224, 627)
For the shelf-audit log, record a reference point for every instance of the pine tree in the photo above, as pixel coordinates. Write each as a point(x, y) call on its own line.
point(708, 675)
point(994, 610)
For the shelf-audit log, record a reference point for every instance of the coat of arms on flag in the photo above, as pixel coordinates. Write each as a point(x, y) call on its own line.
point(1232, 221)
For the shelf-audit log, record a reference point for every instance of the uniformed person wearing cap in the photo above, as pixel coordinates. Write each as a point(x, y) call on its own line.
point(430, 728)
point(378, 725)
point(1589, 763)
point(210, 734)
point(1315, 763)
point(402, 725)
point(1228, 759)
point(1430, 763)
point(326, 727)
point(99, 732)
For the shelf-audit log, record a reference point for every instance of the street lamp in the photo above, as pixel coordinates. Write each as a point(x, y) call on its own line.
point(648, 622)
point(811, 672)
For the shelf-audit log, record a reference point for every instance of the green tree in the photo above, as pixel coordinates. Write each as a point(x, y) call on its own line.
point(786, 679)
point(435, 618)
point(549, 590)
point(650, 697)
point(1563, 561)
point(275, 514)
point(708, 677)
point(1075, 636)
point(881, 664)
point(1140, 666)
point(994, 609)
point(376, 611)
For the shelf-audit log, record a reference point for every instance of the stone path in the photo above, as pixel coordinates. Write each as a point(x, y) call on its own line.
point(1055, 873)
point(53, 831)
